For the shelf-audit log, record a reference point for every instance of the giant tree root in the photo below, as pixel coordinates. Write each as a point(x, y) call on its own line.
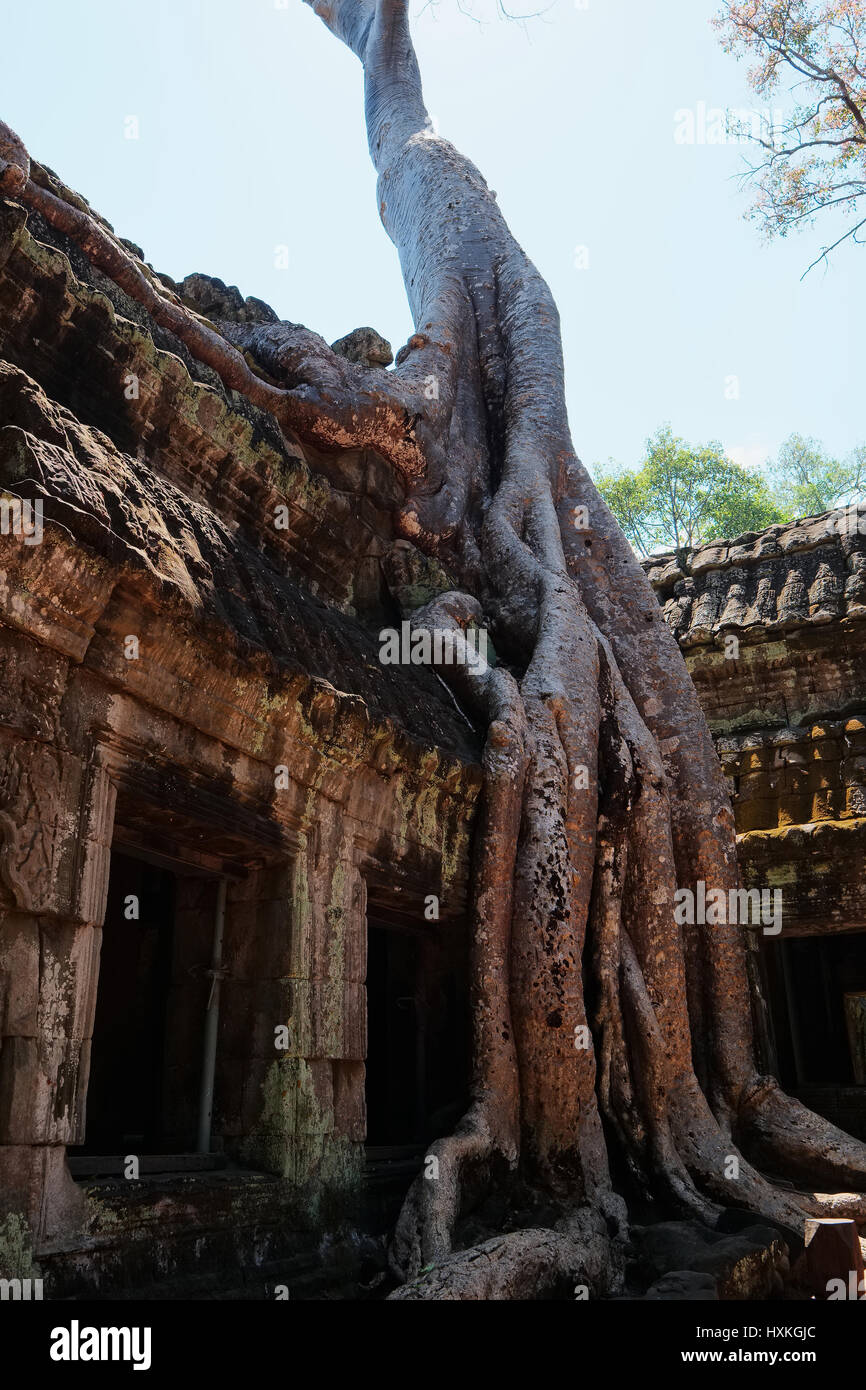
point(579, 1261)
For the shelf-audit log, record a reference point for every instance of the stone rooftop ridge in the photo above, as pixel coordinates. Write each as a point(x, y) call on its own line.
point(760, 584)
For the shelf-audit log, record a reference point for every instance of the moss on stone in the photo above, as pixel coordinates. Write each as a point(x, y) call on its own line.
point(16, 1250)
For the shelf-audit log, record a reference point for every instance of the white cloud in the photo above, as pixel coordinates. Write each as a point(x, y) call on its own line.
point(753, 456)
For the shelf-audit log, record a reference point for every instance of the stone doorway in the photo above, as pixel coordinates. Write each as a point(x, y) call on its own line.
point(396, 1084)
point(416, 1076)
point(809, 977)
point(814, 984)
point(145, 1071)
point(125, 1094)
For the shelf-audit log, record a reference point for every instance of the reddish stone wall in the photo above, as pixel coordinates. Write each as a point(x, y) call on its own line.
point(257, 650)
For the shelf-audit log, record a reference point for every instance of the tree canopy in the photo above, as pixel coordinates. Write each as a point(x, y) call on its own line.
point(807, 481)
point(815, 159)
point(683, 495)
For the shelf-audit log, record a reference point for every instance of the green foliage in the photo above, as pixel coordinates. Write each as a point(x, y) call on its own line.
point(683, 495)
point(808, 482)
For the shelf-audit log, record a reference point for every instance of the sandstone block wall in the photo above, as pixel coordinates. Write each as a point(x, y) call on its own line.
point(255, 651)
point(773, 630)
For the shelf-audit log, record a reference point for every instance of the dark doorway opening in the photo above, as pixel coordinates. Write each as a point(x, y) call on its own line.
point(395, 1080)
point(416, 1078)
point(809, 979)
point(127, 1060)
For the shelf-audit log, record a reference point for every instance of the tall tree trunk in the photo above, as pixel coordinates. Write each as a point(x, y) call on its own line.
point(599, 1022)
point(598, 751)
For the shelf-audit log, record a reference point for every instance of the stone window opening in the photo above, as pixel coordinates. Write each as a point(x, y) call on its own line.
point(146, 1054)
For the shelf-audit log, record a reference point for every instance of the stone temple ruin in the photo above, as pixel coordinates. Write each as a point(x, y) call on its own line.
point(235, 846)
point(772, 629)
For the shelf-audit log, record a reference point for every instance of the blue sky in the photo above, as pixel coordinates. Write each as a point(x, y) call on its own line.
point(250, 138)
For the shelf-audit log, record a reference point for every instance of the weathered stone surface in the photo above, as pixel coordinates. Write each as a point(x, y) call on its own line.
point(683, 1285)
point(366, 346)
point(806, 573)
point(832, 1253)
point(749, 1265)
point(413, 578)
point(773, 630)
point(253, 733)
point(192, 1235)
point(215, 300)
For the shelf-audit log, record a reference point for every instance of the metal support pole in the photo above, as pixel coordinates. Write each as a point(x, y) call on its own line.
point(793, 1011)
point(211, 1024)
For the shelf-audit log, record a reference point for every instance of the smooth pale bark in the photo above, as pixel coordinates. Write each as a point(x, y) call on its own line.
point(603, 791)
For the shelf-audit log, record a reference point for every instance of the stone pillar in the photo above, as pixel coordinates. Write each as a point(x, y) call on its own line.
point(55, 825)
point(304, 1101)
